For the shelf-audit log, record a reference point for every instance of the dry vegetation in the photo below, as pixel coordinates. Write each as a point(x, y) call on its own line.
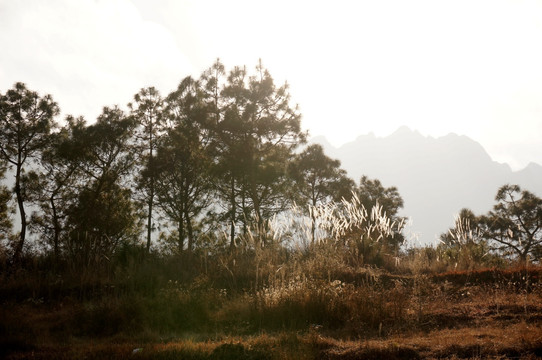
point(272, 303)
point(234, 271)
point(349, 296)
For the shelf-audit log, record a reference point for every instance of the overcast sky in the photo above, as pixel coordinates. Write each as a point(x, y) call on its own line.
point(469, 67)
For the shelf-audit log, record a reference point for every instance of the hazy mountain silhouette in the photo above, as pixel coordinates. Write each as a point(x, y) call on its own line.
point(436, 177)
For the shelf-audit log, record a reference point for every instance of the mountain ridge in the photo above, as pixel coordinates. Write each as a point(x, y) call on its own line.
point(436, 177)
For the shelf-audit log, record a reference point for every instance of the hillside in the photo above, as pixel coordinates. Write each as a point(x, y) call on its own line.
point(436, 177)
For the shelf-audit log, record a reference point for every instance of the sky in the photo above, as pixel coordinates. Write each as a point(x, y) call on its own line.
point(468, 67)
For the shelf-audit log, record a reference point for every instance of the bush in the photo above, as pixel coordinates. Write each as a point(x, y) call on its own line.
point(107, 317)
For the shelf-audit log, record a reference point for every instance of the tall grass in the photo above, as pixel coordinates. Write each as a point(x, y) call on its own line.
point(347, 283)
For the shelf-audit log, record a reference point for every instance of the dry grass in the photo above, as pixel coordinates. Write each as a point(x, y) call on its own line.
point(322, 300)
point(418, 317)
point(519, 340)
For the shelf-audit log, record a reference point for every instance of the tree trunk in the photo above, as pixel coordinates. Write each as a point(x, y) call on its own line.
point(260, 233)
point(56, 225)
point(151, 191)
point(523, 256)
point(232, 215)
point(313, 219)
point(190, 233)
point(313, 228)
point(149, 220)
point(20, 202)
point(181, 235)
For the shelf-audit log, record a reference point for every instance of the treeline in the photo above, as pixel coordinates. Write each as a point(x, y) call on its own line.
point(212, 165)
point(512, 230)
point(213, 161)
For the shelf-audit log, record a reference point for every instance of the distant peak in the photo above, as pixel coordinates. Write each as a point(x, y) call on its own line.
point(404, 131)
point(452, 135)
point(532, 166)
point(370, 135)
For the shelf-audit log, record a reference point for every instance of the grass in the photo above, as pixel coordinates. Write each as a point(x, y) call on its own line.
point(415, 316)
point(343, 297)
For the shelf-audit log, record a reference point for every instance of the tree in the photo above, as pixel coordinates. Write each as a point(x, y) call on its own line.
point(382, 226)
point(54, 189)
point(372, 192)
point(257, 133)
point(182, 162)
point(318, 179)
point(25, 121)
point(225, 146)
point(147, 109)
point(104, 215)
point(515, 224)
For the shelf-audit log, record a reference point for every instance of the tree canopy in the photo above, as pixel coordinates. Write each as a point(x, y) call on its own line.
point(26, 120)
point(317, 180)
point(216, 159)
point(220, 154)
point(515, 223)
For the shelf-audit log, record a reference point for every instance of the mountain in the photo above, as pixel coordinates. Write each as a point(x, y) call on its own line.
point(436, 177)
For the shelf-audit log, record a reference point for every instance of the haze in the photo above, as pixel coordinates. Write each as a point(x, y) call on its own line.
point(468, 67)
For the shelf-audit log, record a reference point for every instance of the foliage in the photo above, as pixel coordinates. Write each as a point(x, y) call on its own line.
point(147, 109)
point(104, 215)
point(365, 236)
point(182, 162)
point(53, 190)
point(25, 121)
point(373, 195)
point(464, 246)
point(218, 167)
point(512, 229)
point(368, 229)
point(515, 224)
point(256, 130)
point(318, 179)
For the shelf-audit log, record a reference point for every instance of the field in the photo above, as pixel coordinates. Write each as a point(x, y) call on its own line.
point(362, 313)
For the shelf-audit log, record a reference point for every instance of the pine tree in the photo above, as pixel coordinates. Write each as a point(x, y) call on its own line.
point(26, 120)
